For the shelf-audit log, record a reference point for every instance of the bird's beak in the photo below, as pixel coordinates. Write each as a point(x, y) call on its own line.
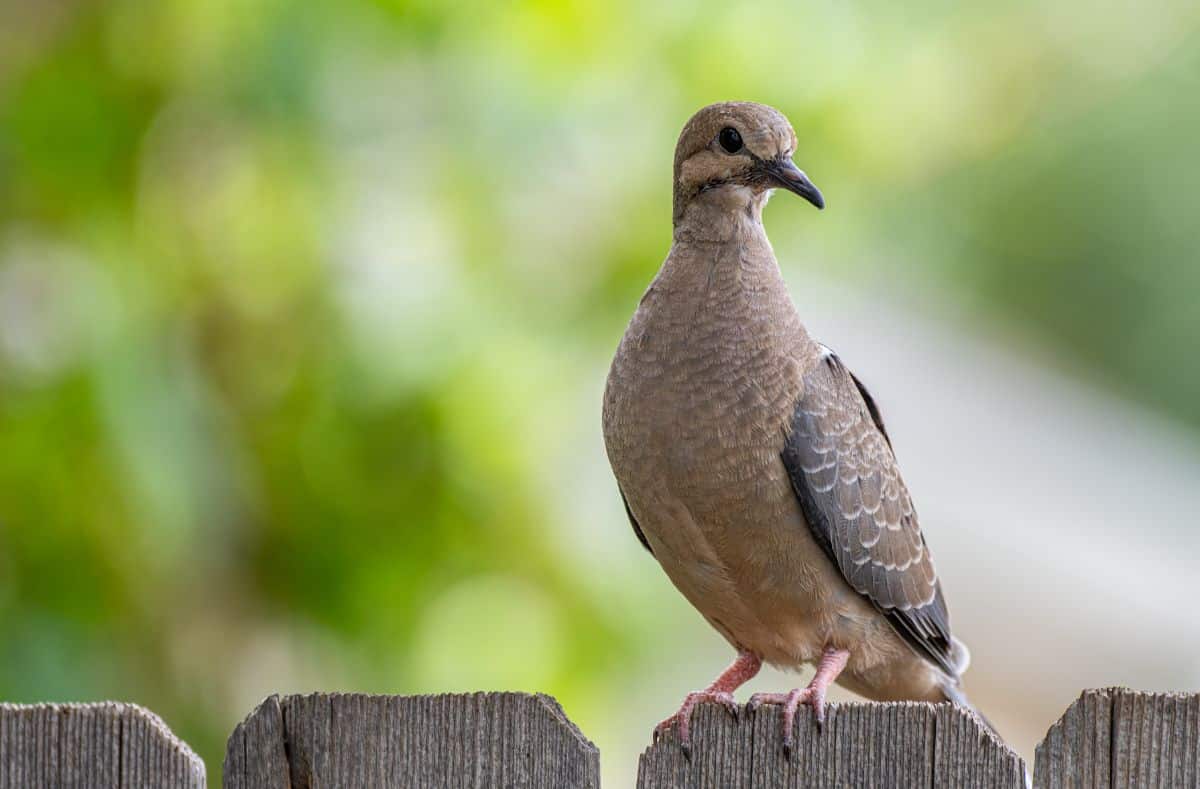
point(785, 173)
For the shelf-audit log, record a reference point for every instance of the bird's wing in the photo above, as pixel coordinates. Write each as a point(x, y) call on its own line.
point(633, 522)
point(842, 469)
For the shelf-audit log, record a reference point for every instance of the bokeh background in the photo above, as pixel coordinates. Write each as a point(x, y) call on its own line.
point(306, 308)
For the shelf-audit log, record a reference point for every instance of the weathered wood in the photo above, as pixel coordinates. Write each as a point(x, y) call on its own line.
point(256, 754)
point(354, 740)
point(92, 746)
point(1114, 737)
point(905, 744)
point(1117, 737)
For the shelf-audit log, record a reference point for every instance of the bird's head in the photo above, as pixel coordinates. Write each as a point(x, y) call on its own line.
point(733, 153)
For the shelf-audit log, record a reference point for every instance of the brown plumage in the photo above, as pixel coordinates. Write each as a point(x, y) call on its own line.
point(752, 464)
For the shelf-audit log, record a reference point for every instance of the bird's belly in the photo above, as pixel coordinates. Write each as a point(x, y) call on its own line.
point(707, 484)
point(746, 559)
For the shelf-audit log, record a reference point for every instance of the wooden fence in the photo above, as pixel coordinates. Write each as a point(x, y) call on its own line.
point(1113, 737)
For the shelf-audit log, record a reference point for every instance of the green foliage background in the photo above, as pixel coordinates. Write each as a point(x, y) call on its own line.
point(305, 308)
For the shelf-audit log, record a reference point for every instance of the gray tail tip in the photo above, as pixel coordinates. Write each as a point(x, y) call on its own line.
point(954, 694)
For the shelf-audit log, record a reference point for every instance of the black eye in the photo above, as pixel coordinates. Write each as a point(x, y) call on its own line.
point(730, 140)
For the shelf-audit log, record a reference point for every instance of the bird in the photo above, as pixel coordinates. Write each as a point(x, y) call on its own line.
point(754, 465)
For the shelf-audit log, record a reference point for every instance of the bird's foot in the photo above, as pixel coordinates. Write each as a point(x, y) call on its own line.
point(791, 701)
point(721, 691)
point(683, 718)
point(828, 668)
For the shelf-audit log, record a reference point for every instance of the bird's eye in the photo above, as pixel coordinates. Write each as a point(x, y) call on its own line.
point(730, 140)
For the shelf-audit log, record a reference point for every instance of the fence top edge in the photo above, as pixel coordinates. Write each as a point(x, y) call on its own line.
point(1111, 694)
point(547, 702)
point(267, 700)
point(982, 729)
point(353, 694)
point(554, 706)
point(928, 711)
point(114, 709)
point(1113, 691)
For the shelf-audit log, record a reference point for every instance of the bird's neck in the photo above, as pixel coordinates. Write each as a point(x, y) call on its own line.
point(721, 264)
point(730, 214)
point(719, 301)
point(720, 236)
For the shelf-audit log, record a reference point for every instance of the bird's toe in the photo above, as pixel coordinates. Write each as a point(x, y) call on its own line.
point(682, 720)
point(790, 702)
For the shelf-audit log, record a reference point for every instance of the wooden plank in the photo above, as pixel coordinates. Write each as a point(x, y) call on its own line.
point(354, 740)
point(255, 754)
point(107, 745)
point(1117, 737)
point(903, 744)
point(1075, 751)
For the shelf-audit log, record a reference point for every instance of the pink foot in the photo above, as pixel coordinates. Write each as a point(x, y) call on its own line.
point(791, 702)
point(721, 691)
point(683, 718)
point(831, 664)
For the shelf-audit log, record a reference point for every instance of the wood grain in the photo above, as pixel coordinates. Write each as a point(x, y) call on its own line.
point(1113, 737)
point(904, 744)
point(1117, 737)
point(354, 740)
point(107, 745)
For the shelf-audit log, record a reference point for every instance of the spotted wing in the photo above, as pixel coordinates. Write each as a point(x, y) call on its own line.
point(842, 468)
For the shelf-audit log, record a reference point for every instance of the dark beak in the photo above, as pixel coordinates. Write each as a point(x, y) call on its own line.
point(787, 175)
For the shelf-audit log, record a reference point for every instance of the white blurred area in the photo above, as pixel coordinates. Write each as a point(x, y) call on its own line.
point(1061, 520)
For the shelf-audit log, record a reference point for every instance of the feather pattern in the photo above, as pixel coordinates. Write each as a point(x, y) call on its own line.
point(840, 462)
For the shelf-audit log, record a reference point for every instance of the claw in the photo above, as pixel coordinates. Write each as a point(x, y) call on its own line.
point(683, 718)
point(720, 691)
point(831, 664)
point(818, 705)
point(726, 700)
point(790, 702)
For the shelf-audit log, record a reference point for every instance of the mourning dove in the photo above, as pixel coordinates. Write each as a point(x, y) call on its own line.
point(753, 465)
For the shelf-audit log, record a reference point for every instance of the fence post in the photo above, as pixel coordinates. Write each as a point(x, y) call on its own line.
point(1113, 737)
point(902, 744)
point(353, 740)
point(1116, 737)
point(107, 745)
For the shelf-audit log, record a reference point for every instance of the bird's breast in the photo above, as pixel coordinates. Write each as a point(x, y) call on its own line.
point(702, 390)
point(699, 399)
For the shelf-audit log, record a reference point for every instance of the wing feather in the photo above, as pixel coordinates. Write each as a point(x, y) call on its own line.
point(840, 462)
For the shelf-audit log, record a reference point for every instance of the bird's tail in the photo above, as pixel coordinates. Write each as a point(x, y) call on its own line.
point(953, 692)
point(951, 688)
